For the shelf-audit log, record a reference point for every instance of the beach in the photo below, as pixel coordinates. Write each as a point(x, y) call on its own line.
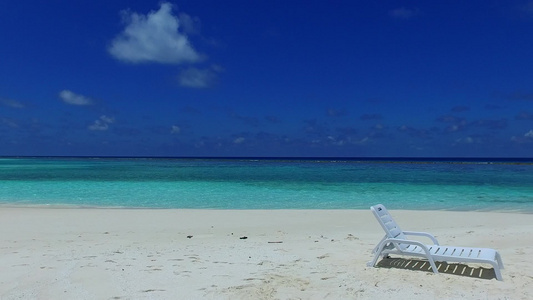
point(86, 253)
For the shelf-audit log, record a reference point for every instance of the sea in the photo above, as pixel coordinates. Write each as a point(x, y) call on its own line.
point(459, 184)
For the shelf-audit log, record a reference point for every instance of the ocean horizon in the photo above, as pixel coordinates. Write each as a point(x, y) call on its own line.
point(527, 160)
point(445, 183)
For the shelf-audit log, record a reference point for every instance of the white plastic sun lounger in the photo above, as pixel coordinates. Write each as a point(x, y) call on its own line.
point(395, 242)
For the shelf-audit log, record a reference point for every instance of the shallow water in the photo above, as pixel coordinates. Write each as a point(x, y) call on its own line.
point(268, 183)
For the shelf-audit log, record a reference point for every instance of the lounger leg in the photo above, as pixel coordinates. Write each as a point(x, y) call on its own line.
point(433, 266)
point(379, 247)
point(497, 272)
point(499, 260)
point(497, 265)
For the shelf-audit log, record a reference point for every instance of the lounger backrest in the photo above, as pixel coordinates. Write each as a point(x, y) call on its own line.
point(387, 222)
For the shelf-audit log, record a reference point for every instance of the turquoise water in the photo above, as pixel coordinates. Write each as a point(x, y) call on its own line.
point(268, 183)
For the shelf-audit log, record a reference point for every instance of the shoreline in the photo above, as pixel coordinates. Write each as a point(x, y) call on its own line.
point(103, 253)
point(85, 207)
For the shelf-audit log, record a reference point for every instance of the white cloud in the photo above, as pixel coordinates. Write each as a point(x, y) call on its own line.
point(361, 141)
point(466, 140)
point(154, 37)
point(175, 129)
point(403, 13)
point(9, 123)
point(239, 140)
point(189, 24)
point(11, 103)
point(107, 119)
point(74, 99)
point(102, 123)
point(198, 78)
point(525, 139)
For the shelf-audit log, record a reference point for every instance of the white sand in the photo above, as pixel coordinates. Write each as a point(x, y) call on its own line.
point(54, 253)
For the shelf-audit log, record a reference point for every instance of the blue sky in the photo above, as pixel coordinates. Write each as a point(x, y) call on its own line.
point(266, 78)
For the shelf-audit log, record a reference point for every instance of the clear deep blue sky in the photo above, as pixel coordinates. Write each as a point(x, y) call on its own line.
point(266, 78)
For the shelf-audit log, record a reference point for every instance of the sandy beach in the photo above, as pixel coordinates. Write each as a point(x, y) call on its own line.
point(64, 253)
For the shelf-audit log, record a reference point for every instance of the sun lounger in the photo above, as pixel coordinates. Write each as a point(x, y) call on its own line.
point(395, 241)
